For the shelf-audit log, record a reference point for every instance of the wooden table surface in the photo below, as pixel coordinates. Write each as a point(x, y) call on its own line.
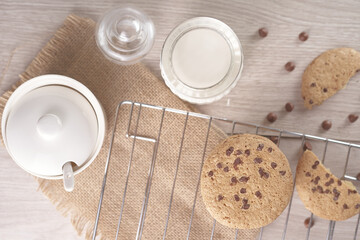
point(25, 26)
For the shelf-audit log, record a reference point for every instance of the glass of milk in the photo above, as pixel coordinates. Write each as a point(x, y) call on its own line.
point(201, 60)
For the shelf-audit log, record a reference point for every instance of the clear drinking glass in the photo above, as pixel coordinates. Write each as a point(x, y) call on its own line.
point(125, 35)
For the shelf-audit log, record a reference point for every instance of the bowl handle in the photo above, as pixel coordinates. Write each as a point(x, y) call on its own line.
point(68, 174)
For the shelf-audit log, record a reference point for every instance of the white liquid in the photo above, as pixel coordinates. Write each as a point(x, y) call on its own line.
point(201, 58)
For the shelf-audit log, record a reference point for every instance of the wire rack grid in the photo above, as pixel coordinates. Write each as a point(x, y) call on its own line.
point(277, 134)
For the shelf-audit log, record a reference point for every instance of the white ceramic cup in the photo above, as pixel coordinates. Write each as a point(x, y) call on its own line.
point(53, 127)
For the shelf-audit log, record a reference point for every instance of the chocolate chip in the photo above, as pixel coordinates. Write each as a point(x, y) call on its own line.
point(247, 152)
point(313, 189)
point(336, 194)
point(219, 165)
point(327, 175)
point(211, 173)
point(352, 191)
point(236, 198)
point(320, 189)
point(257, 160)
point(244, 201)
point(243, 190)
point(307, 223)
point(263, 32)
point(263, 173)
point(270, 149)
point(246, 206)
point(220, 197)
point(303, 36)
point(229, 151)
point(273, 165)
point(234, 180)
point(311, 101)
point(258, 194)
point(289, 107)
point(308, 174)
point(358, 177)
point(226, 169)
point(238, 152)
point(345, 206)
point(327, 191)
point(271, 117)
point(352, 118)
point(290, 66)
point(244, 179)
point(313, 84)
point(326, 125)
point(274, 139)
point(238, 161)
point(317, 179)
point(282, 173)
point(336, 198)
point(357, 206)
point(328, 183)
point(316, 163)
point(307, 146)
point(260, 147)
point(339, 182)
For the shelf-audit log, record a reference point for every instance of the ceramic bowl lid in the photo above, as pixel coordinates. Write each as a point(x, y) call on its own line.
point(49, 126)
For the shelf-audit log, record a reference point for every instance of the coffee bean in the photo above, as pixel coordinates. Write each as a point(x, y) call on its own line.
point(226, 169)
point(243, 190)
point(289, 107)
point(326, 125)
point(258, 194)
point(211, 173)
point(247, 152)
point(308, 174)
point(282, 173)
point(316, 163)
point(263, 32)
point(345, 206)
point(229, 151)
point(290, 66)
point(307, 146)
point(260, 147)
point(273, 165)
point(270, 149)
point(271, 117)
point(236, 198)
point(257, 160)
point(303, 36)
point(307, 223)
point(352, 118)
point(274, 139)
point(219, 165)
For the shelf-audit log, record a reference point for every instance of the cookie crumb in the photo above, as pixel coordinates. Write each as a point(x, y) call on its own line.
point(303, 36)
point(326, 125)
point(353, 117)
point(263, 32)
point(307, 223)
point(290, 66)
point(271, 117)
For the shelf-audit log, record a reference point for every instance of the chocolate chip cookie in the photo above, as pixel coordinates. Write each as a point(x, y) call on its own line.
point(246, 182)
point(327, 74)
point(322, 193)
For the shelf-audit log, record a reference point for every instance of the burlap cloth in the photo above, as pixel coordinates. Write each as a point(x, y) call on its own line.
point(73, 52)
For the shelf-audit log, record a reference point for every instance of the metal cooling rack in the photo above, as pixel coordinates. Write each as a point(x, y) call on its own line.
point(281, 134)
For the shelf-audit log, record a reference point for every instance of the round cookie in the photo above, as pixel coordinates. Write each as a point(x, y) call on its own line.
point(246, 182)
point(327, 74)
point(322, 193)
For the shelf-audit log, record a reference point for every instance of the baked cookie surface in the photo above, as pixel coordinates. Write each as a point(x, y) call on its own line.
point(327, 74)
point(246, 182)
point(322, 193)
